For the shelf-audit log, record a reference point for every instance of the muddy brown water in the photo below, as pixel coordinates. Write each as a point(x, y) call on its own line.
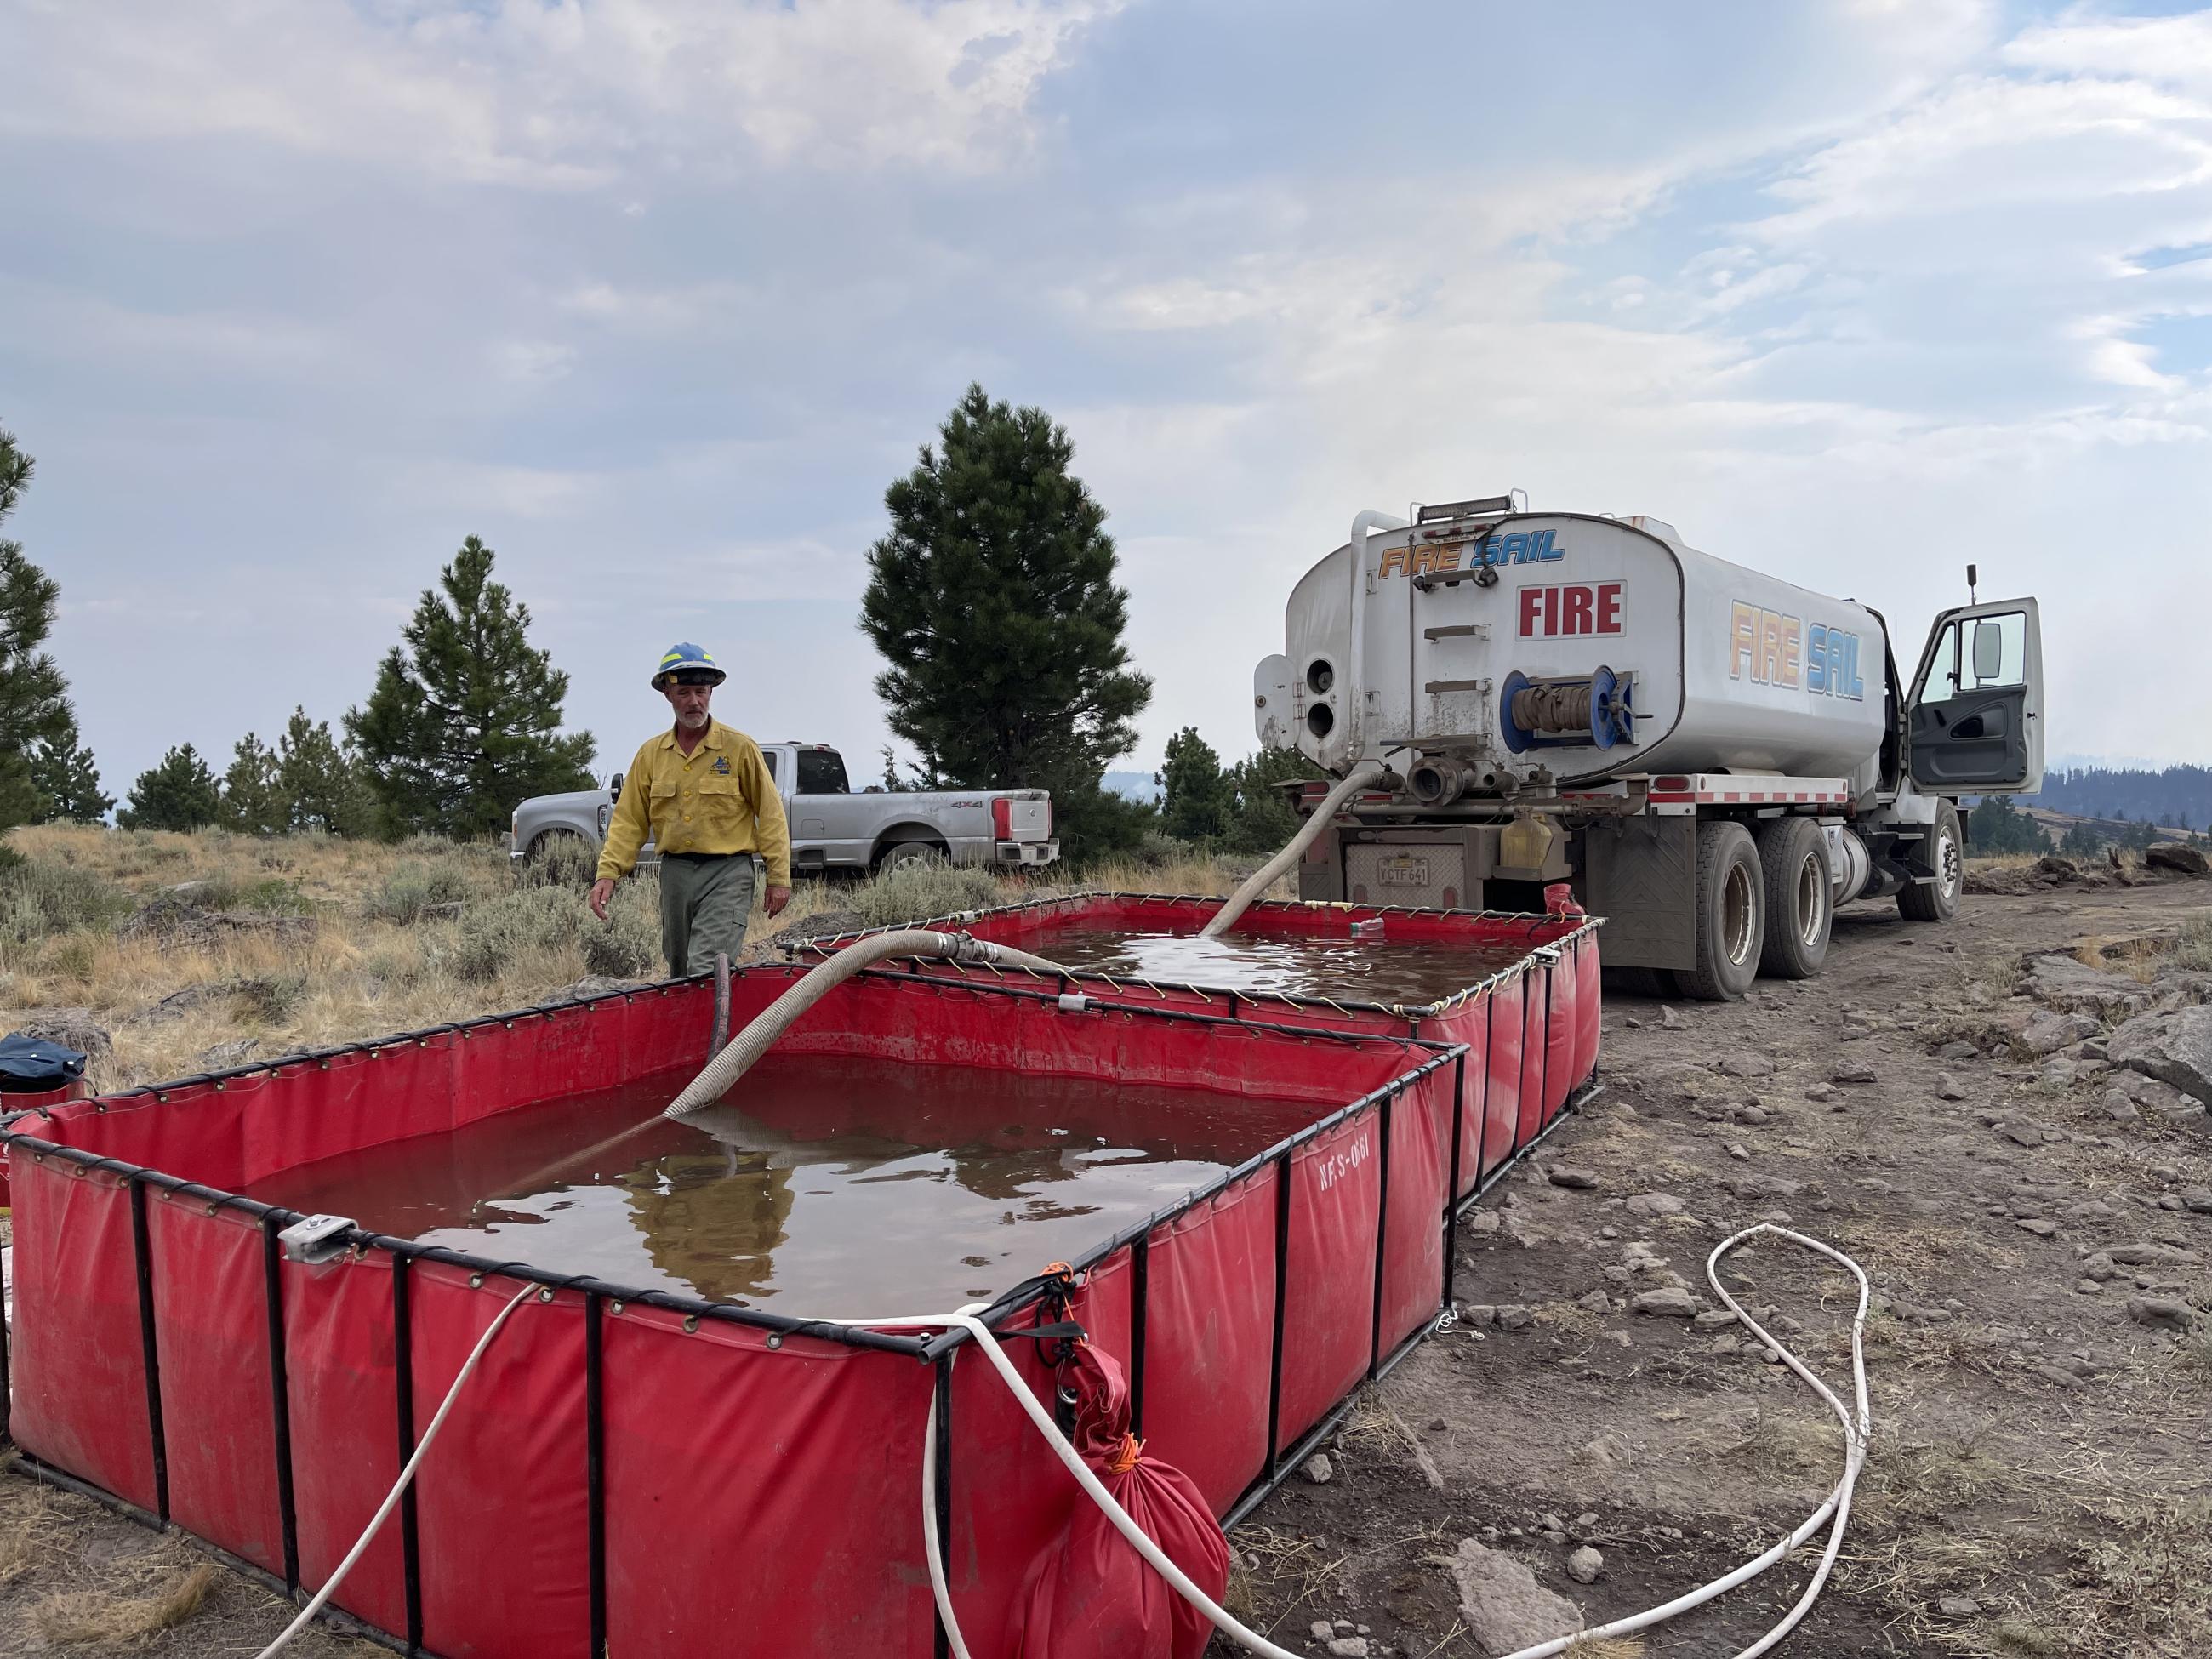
point(826, 1186)
point(1402, 971)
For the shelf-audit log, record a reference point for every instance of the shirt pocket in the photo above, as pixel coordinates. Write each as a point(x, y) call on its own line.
point(722, 807)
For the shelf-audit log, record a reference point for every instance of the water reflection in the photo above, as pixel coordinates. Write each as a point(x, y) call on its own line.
point(1412, 972)
point(839, 1186)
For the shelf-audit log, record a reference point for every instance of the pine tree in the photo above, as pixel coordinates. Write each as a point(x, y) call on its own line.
point(1196, 798)
point(180, 794)
point(994, 602)
point(1265, 818)
point(253, 802)
point(465, 718)
point(322, 784)
point(67, 779)
point(35, 710)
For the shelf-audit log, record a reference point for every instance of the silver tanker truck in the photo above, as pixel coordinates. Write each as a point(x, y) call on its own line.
point(1713, 758)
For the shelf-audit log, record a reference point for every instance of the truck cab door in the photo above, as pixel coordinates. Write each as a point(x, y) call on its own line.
point(1974, 722)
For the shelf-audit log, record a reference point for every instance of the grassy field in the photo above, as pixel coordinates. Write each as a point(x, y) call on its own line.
point(190, 952)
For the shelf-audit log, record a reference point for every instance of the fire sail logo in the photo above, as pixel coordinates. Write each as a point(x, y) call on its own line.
point(1768, 647)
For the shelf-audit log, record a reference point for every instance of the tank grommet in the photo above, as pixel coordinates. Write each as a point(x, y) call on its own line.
point(615, 1307)
point(691, 1322)
point(544, 1293)
point(776, 1338)
point(475, 1281)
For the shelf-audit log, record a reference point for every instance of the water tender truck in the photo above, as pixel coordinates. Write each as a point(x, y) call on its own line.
point(1714, 758)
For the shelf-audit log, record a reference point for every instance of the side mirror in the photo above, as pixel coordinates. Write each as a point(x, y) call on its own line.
point(614, 785)
point(1988, 651)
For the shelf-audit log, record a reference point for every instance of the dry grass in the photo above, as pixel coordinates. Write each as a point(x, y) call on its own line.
point(197, 951)
point(112, 1624)
point(1606, 1647)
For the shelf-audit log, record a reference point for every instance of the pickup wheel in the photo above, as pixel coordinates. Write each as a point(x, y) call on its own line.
point(907, 855)
point(1793, 857)
point(1731, 914)
point(1937, 900)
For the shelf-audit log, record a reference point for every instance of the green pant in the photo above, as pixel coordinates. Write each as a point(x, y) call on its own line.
point(705, 903)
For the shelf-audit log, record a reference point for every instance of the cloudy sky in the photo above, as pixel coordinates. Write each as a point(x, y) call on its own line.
point(656, 295)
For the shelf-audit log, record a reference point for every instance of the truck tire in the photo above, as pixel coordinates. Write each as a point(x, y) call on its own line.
point(1793, 857)
point(1938, 899)
point(904, 855)
point(1731, 914)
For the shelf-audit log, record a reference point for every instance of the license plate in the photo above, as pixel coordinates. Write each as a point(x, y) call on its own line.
point(1404, 871)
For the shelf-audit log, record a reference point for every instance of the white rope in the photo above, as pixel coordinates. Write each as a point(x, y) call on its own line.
point(1836, 1508)
point(392, 1498)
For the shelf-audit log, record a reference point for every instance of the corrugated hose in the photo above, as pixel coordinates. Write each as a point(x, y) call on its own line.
point(1264, 877)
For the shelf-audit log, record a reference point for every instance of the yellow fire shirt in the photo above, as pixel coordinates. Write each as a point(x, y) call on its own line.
point(718, 798)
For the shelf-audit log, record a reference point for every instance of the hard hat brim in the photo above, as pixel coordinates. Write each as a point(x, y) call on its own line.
point(661, 679)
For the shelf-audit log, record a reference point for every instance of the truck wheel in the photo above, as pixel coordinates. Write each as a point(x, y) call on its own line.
point(1731, 914)
point(1793, 857)
point(1938, 899)
point(905, 854)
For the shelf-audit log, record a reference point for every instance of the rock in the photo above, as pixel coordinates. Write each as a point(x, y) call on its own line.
point(1505, 1607)
point(1584, 1565)
point(2048, 1032)
point(1669, 1302)
point(1947, 1087)
point(2060, 1072)
point(599, 985)
point(2064, 1379)
point(2119, 1108)
point(1549, 1523)
point(2039, 1227)
point(1750, 1067)
point(1855, 1072)
point(1478, 1312)
point(1655, 1204)
point(1713, 1319)
point(1958, 1050)
point(1960, 1606)
point(1670, 1020)
point(224, 1055)
point(1348, 1647)
point(2197, 1199)
point(1323, 1629)
point(1513, 1316)
point(2087, 1287)
point(1736, 1150)
point(1820, 1092)
point(2150, 1255)
point(2175, 1049)
point(1586, 1520)
point(2167, 1313)
point(1581, 1181)
point(73, 1028)
point(1750, 1112)
point(2172, 855)
point(1596, 1302)
point(1318, 1469)
point(2025, 1134)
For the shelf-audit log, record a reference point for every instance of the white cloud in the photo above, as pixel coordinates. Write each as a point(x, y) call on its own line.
point(551, 95)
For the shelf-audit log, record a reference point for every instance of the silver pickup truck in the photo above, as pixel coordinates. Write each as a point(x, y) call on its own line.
point(831, 827)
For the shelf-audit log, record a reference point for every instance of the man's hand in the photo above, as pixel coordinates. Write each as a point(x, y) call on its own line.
point(777, 898)
point(602, 890)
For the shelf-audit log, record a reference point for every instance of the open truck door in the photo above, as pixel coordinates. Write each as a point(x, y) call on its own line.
point(1974, 725)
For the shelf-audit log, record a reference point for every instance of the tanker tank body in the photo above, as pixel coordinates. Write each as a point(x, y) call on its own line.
point(1715, 757)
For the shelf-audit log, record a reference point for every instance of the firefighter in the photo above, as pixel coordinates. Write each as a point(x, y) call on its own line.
point(704, 794)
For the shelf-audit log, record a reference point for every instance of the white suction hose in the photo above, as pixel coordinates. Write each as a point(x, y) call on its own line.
point(749, 1044)
point(1264, 877)
point(1857, 1428)
point(392, 1498)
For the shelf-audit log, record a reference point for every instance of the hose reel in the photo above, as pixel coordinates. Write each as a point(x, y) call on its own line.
point(1592, 711)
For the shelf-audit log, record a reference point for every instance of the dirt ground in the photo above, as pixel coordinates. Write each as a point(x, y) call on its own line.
point(2037, 1482)
point(2039, 1462)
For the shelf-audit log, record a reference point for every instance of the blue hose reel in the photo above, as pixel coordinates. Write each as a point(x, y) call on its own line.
point(1595, 711)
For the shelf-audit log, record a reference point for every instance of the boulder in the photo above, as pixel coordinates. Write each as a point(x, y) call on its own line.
point(1505, 1607)
point(2175, 1048)
point(2062, 981)
point(2048, 1032)
point(2174, 856)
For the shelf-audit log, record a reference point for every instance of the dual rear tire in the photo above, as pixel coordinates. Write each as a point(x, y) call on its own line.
point(1763, 906)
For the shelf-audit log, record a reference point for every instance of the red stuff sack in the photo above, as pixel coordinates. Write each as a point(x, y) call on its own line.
point(1091, 1595)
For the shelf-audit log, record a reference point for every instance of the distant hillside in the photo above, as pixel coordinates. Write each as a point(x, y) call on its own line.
point(2177, 795)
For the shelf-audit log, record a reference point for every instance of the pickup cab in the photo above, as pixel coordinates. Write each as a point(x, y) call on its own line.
point(832, 827)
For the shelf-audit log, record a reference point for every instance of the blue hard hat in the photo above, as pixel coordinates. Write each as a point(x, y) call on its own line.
point(685, 656)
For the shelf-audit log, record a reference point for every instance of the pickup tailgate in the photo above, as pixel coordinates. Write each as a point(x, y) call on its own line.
point(1022, 815)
